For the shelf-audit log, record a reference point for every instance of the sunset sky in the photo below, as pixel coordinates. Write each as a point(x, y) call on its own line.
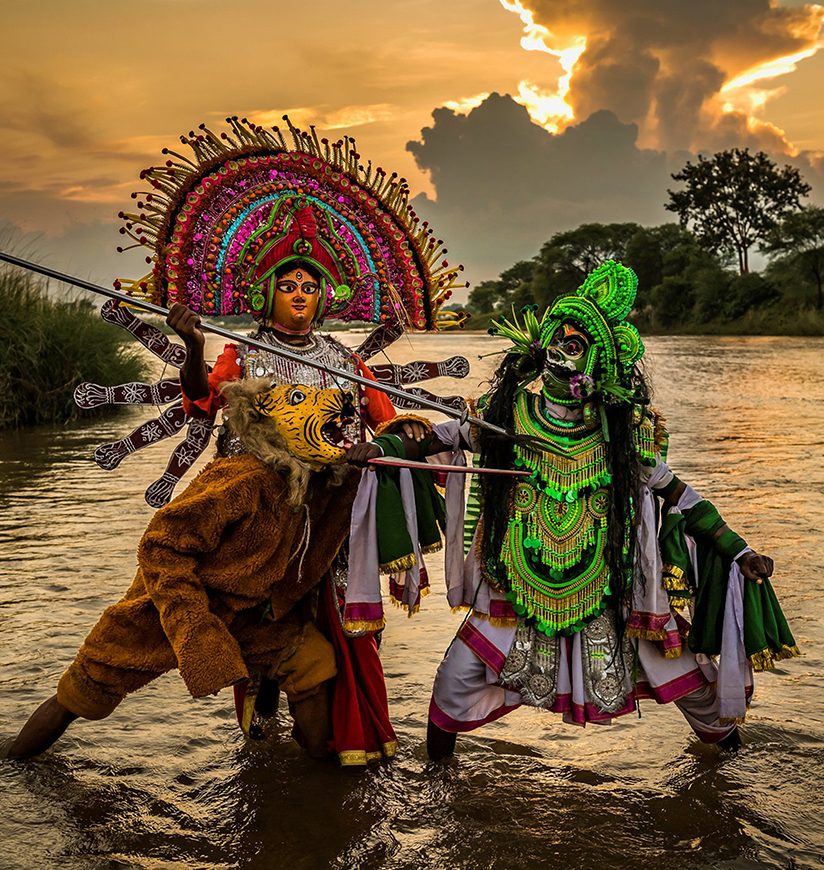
point(547, 113)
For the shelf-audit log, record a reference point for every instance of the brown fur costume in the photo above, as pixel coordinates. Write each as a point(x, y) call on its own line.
point(231, 542)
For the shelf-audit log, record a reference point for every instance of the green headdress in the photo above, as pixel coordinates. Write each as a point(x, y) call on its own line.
point(600, 305)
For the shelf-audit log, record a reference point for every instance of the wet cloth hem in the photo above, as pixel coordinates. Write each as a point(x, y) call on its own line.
point(446, 723)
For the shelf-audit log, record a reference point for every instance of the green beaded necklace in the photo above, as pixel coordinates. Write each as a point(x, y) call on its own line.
point(554, 553)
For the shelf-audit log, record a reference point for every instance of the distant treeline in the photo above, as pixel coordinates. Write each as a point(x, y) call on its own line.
point(728, 204)
point(682, 287)
point(47, 347)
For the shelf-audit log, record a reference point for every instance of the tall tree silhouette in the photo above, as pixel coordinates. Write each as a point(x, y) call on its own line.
point(734, 199)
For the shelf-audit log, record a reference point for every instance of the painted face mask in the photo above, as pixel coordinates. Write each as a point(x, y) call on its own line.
point(311, 421)
point(569, 358)
point(585, 345)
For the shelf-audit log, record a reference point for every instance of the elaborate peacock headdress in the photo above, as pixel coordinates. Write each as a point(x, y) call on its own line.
point(220, 222)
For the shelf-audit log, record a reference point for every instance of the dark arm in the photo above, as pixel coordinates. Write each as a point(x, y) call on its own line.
point(194, 376)
point(753, 565)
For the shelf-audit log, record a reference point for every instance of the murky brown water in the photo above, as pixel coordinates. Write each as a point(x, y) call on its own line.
point(168, 782)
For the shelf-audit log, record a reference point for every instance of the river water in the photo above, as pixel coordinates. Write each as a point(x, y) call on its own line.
point(168, 781)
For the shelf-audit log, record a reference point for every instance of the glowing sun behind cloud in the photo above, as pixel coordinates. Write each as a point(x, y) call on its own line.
point(549, 108)
point(689, 77)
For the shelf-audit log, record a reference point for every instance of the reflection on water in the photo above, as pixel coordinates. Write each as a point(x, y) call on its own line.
point(167, 781)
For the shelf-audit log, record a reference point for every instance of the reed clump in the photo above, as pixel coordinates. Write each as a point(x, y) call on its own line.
point(48, 347)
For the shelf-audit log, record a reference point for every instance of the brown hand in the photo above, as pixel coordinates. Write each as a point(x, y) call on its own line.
point(360, 455)
point(186, 324)
point(414, 431)
point(755, 567)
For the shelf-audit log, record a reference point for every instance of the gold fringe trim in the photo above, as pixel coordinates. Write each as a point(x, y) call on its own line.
point(731, 720)
point(432, 548)
point(424, 591)
point(766, 659)
point(673, 653)
point(679, 602)
point(357, 625)
point(497, 621)
point(402, 563)
point(646, 634)
point(674, 578)
point(403, 418)
point(462, 608)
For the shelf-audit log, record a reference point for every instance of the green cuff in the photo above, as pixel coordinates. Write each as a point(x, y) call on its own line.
point(729, 544)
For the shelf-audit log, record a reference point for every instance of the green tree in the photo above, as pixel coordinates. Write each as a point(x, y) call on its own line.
point(512, 287)
point(801, 235)
point(568, 257)
point(647, 252)
point(734, 199)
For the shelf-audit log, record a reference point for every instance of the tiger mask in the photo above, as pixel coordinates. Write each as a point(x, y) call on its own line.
point(295, 429)
point(311, 421)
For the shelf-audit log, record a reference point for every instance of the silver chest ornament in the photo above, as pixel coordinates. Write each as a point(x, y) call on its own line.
point(324, 349)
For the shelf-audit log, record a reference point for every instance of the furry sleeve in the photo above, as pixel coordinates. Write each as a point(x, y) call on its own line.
point(181, 535)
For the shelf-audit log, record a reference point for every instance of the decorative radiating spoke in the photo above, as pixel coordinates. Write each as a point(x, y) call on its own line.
point(109, 456)
point(149, 336)
point(456, 403)
point(379, 339)
point(184, 457)
point(88, 395)
point(415, 372)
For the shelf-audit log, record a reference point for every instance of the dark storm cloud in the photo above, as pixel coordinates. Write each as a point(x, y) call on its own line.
point(663, 64)
point(504, 185)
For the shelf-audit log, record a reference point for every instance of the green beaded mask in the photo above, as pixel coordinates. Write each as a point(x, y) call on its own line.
point(599, 308)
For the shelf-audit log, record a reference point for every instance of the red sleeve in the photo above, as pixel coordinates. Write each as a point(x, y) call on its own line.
point(378, 408)
point(226, 368)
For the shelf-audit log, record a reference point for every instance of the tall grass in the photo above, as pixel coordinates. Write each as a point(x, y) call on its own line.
point(47, 347)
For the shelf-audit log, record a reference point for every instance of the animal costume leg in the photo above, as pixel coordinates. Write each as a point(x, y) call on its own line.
point(125, 651)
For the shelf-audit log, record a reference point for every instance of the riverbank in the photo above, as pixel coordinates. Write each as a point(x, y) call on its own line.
point(807, 323)
point(48, 347)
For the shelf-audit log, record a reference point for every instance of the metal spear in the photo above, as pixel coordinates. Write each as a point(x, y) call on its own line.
point(397, 392)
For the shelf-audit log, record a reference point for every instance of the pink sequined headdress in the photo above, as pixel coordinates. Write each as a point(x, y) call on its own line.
point(219, 222)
